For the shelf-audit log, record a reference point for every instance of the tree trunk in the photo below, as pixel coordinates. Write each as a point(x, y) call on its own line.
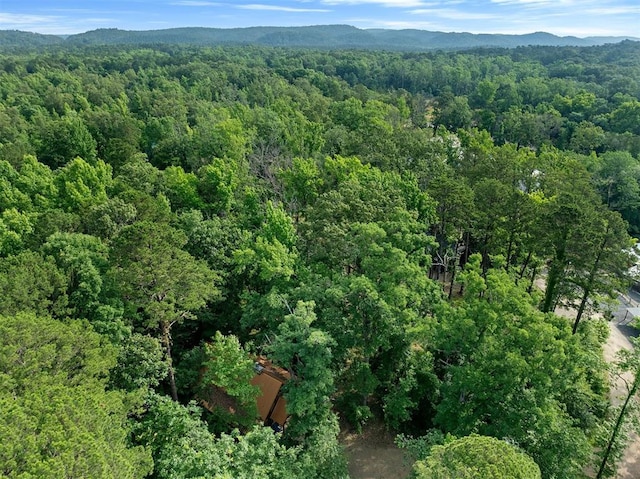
point(583, 304)
point(555, 274)
point(166, 342)
point(552, 282)
point(466, 240)
point(453, 276)
point(485, 256)
point(512, 235)
point(589, 286)
point(520, 274)
point(534, 272)
point(618, 426)
point(524, 267)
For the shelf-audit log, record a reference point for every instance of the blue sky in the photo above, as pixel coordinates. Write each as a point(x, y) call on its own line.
point(561, 17)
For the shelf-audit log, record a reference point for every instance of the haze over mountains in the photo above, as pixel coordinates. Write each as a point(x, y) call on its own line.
point(324, 36)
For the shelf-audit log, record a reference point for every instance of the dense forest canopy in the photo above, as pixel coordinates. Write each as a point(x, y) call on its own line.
point(394, 229)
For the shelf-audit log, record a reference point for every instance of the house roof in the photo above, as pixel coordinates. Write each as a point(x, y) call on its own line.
point(270, 380)
point(270, 403)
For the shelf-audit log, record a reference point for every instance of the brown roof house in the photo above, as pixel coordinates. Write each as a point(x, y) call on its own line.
point(271, 405)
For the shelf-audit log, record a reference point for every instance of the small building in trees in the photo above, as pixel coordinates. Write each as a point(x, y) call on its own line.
point(271, 404)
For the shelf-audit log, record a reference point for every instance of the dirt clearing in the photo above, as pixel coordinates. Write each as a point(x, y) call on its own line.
point(373, 454)
point(620, 332)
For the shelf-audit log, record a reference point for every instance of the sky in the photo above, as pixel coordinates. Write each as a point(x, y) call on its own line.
point(561, 17)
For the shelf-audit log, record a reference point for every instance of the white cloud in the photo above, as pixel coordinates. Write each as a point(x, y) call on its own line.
point(51, 24)
point(619, 10)
point(277, 8)
point(25, 19)
point(384, 3)
point(452, 14)
point(575, 5)
point(523, 2)
point(195, 3)
point(393, 24)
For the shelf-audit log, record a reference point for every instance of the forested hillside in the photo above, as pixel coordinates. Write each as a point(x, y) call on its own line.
point(378, 224)
point(317, 36)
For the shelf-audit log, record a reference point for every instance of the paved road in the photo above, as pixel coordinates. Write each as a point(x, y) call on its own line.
point(621, 317)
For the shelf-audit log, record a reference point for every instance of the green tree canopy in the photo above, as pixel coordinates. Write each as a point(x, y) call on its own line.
point(62, 139)
point(477, 457)
point(512, 371)
point(183, 448)
point(55, 415)
point(161, 280)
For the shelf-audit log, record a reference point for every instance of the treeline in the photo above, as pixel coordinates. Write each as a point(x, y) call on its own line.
point(376, 223)
point(316, 36)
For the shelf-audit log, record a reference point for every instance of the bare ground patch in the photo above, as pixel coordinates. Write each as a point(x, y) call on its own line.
point(373, 454)
point(629, 467)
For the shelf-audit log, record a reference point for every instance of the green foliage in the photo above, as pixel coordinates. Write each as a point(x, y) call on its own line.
point(623, 418)
point(365, 238)
point(11, 196)
point(228, 366)
point(322, 455)
point(83, 259)
point(156, 275)
point(415, 383)
point(14, 228)
point(221, 139)
point(618, 180)
point(418, 448)
point(26, 188)
point(476, 457)
point(140, 175)
point(32, 283)
point(55, 414)
point(626, 117)
point(181, 188)
point(306, 353)
point(82, 185)
point(38, 351)
point(160, 280)
point(212, 240)
point(140, 364)
point(182, 447)
point(139, 186)
point(105, 220)
point(302, 183)
point(116, 132)
point(453, 112)
point(271, 254)
point(60, 140)
point(586, 243)
point(217, 184)
point(504, 357)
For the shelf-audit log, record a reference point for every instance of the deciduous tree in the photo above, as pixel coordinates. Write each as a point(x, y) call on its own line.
point(161, 280)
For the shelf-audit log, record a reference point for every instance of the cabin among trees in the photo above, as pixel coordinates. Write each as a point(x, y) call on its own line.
point(272, 406)
point(270, 402)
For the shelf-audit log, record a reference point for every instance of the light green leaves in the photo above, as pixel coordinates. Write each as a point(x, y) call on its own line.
point(477, 457)
point(55, 415)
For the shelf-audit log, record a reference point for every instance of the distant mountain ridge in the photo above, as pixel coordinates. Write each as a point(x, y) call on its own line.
point(16, 38)
point(320, 36)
